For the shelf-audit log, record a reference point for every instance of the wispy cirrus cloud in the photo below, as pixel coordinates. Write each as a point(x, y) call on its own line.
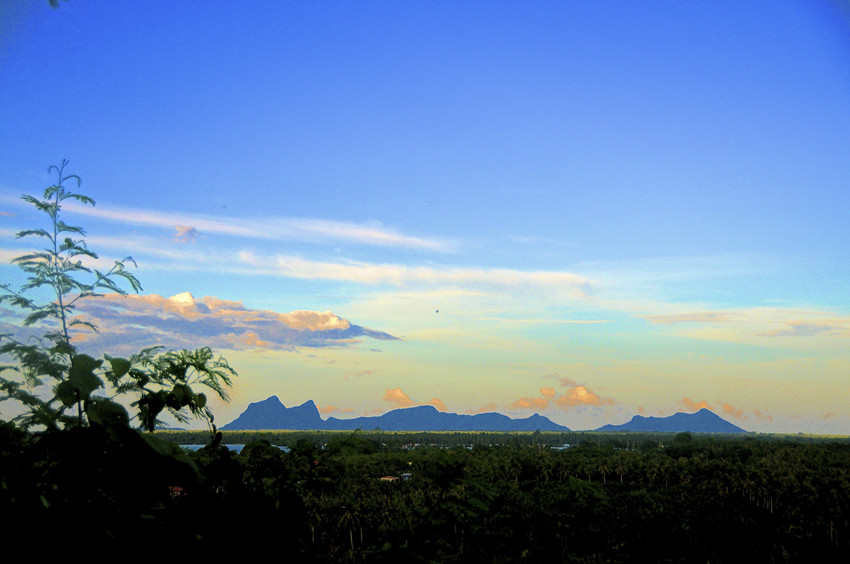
point(246, 262)
point(303, 229)
point(811, 329)
point(692, 317)
point(546, 321)
point(398, 274)
point(751, 324)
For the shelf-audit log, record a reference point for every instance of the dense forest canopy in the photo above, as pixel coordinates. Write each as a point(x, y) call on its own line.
point(460, 497)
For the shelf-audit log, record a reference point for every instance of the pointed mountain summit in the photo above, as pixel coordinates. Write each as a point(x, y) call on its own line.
point(703, 421)
point(272, 414)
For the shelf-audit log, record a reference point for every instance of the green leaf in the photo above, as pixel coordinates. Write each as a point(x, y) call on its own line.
point(120, 366)
point(107, 413)
point(36, 232)
point(82, 377)
point(66, 393)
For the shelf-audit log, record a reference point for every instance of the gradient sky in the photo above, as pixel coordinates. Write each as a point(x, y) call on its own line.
point(587, 210)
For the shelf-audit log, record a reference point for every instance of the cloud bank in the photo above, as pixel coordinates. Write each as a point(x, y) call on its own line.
point(577, 395)
point(180, 321)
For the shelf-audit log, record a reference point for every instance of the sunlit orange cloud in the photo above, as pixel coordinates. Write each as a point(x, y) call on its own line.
point(531, 403)
point(733, 411)
point(80, 337)
point(564, 380)
point(249, 339)
point(761, 415)
point(398, 397)
point(691, 405)
point(548, 392)
point(641, 410)
point(581, 395)
point(489, 408)
point(328, 409)
point(438, 403)
point(135, 321)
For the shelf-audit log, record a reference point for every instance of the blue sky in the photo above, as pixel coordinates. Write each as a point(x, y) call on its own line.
point(584, 209)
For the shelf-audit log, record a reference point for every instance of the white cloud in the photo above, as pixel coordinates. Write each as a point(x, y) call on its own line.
point(277, 229)
point(397, 274)
point(693, 317)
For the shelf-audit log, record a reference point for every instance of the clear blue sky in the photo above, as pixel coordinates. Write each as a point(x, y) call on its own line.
point(616, 207)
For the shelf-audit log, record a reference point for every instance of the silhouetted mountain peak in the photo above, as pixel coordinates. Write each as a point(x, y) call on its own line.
point(702, 421)
point(270, 401)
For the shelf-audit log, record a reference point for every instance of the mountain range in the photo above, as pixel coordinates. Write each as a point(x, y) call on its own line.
point(703, 421)
point(271, 414)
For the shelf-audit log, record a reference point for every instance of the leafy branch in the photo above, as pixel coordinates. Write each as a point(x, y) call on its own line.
point(63, 267)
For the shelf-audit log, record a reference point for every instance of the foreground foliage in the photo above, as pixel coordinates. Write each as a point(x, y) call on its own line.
point(695, 499)
point(53, 384)
point(76, 466)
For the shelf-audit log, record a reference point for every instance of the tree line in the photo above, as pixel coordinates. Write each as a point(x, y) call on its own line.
point(352, 499)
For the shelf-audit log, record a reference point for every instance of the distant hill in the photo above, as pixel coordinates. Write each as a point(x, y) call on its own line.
point(428, 418)
point(272, 414)
point(703, 421)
